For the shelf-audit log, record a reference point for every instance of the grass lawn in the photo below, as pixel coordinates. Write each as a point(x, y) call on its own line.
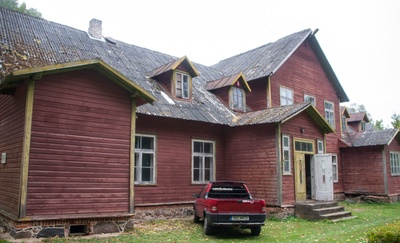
point(370, 215)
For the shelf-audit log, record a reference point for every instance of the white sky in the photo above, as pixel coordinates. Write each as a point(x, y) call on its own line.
point(360, 38)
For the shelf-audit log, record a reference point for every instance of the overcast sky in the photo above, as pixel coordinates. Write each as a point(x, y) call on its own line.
point(360, 38)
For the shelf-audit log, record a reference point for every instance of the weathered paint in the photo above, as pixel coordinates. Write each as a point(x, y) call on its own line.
point(26, 147)
point(132, 159)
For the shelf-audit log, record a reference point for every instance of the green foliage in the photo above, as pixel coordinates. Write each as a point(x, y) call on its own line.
point(396, 120)
point(389, 233)
point(13, 5)
point(379, 125)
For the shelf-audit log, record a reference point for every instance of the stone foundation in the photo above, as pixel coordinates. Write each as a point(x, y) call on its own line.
point(146, 213)
point(65, 228)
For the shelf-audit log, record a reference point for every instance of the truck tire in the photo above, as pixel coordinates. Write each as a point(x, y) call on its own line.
point(207, 226)
point(256, 230)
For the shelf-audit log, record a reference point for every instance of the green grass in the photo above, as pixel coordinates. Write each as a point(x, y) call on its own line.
point(369, 216)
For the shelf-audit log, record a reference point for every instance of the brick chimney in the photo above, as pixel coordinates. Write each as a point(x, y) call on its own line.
point(95, 29)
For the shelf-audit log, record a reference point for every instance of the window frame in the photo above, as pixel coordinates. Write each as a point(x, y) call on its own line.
point(330, 113)
point(284, 96)
point(286, 163)
point(394, 158)
point(314, 100)
point(180, 86)
point(344, 123)
point(138, 174)
point(319, 142)
point(304, 141)
point(202, 179)
point(335, 169)
point(234, 98)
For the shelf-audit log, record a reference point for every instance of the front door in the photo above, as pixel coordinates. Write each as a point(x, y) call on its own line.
point(300, 177)
point(323, 177)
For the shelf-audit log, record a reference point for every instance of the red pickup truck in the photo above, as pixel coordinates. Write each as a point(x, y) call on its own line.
point(229, 203)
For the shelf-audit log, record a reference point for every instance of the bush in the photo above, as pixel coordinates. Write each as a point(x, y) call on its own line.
point(385, 234)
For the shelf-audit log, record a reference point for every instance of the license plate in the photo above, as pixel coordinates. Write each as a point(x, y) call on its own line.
point(239, 218)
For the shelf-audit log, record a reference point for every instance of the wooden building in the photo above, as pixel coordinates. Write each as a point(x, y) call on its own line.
point(94, 131)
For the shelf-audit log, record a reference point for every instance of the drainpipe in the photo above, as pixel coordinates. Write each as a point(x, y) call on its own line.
point(385, 183)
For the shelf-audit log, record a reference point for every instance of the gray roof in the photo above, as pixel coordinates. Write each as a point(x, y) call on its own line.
point(264, 60)
point(372, 138)
point(27, 41)
point(267, 59)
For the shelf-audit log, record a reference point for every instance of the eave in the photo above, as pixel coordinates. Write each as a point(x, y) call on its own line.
point(18, 76)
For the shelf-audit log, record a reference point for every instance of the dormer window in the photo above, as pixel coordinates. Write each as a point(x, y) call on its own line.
point(238, 99)
point(182, 85)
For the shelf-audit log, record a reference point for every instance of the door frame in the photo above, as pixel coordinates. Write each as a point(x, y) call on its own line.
point(300, 191)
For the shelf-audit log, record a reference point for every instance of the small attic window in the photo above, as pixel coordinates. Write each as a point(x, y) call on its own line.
point(237, 99)
point(182, 84)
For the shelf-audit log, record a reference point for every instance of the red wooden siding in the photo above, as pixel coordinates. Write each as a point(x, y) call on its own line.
point(363, 170)
point(392, 181)
point(79, 158)
point(257, 98)
point(12, 118)
point(251, 157)
point(173, 158)
point(293, 129)
point(222, 94)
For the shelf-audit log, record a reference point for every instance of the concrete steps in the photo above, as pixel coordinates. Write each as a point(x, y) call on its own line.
point(317, 210)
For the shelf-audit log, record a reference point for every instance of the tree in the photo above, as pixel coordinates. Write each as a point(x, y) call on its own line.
point(396, 120)
point(378, 124)
point(13, 5)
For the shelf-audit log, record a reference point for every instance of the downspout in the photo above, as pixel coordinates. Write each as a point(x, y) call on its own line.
point(132, 158)
point(278, 164)
point(26, 147)
point(385, 182)
point(269, 99)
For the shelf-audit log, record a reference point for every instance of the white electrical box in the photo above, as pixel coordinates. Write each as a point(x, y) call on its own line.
point(3, 158)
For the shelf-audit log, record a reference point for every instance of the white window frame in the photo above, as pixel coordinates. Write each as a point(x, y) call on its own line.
point(344, 124)
point(138, 167)
point(330, 113)
point(203, 177)
point(310, 99)
point(335, 169)
point(182, 85)
point(320, 146)
point(286, 160)
point(238, 99)
point(286, 96)
point(394, 163)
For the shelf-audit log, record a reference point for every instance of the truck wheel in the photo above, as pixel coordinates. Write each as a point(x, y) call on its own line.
point(196, 219)
point(256, 230)
point(207, 226)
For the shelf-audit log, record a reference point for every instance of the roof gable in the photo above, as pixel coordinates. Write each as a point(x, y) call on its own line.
point(182, 63)
point(358, 117)
point(13, 79)
point(282, 114)
point(229, 81)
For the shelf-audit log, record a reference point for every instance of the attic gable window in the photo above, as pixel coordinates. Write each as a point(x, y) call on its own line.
point(182, 82)
point(238, 99)
point(286, 96)
point(310, 99)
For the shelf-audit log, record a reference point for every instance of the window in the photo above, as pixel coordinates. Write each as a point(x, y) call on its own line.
point(344, 124)
point(320, 145)
point(330, 114)
point(182, 86)
point(304, 146)
point(395, 163)
point(363, 126)
point(286, 96)
point(238, 99)
point(203, 158)
point(286, 154)
point(335, 168)
point(144, 159)
point(310, 99)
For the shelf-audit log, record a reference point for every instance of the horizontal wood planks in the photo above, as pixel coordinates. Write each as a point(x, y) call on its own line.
point(392, 180)
point(79, 160)
point(12, 117)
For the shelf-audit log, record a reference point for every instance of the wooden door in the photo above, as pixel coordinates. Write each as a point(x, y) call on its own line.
point(300, 177)
point(323, 177)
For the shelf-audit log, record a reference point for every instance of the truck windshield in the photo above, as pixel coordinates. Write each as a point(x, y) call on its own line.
point(228, 191)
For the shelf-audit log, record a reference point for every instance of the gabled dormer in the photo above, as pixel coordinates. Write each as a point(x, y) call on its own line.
point(232, 90)
point(176, 76)
point(357, 121)
point(344, 115)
